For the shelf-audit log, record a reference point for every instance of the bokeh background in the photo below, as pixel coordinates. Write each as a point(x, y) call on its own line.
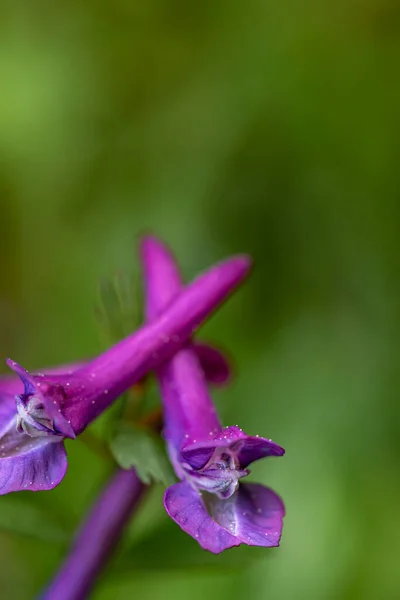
point(264, 127)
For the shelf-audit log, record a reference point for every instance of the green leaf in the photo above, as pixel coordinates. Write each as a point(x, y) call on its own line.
point(134, 446)
point(19, 516)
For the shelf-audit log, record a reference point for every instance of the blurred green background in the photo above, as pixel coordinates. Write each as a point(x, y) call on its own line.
point(264, 127)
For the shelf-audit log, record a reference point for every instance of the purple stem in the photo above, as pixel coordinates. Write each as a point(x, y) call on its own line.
point(97, 538)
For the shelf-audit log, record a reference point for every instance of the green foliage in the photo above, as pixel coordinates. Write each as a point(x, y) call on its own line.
point(134, 446)
point(20, 516)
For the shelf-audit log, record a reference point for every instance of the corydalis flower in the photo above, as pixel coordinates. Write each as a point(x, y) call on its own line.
point(209, 503)
point(55, 406)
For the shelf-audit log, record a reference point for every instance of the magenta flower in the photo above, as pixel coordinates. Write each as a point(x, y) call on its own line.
point(34, 421)
point(208, 503)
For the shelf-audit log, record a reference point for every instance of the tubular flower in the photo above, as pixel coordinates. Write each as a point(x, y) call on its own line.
point(52, 406)
point(209, 503)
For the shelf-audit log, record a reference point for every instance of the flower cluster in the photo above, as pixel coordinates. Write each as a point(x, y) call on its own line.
point(210, 502)
point(40, 410)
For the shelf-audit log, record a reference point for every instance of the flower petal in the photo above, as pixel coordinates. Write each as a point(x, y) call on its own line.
point(246, 448)
point(213, 362)
point(12, 384)
point(28, 381)
point(254, 514)
point(26, 462)
point(34, 464)
point(185, 506)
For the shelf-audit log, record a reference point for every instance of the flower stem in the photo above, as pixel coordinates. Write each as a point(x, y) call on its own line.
point(97, 538)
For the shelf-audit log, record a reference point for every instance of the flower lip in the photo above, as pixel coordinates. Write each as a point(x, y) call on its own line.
point(253, 516)
point(233, 441)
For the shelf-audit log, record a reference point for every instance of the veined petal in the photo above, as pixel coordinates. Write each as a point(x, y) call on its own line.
point(33, 463)
point(245, 448)
point(254, 514)
point(185, 506)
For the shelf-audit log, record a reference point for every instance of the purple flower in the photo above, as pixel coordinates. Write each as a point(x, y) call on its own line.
point(208, 503)
point(52, 406)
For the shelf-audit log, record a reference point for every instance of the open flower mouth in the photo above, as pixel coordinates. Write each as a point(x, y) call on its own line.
point(219, 476)
point(32, 417)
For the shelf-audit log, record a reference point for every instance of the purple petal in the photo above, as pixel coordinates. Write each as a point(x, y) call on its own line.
point(252, 516)
point(213, 362)
point(160, 266)
point(26, 462)
point(26, 378)
point(247, 449)
point(10, 384)
point(185, 506)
